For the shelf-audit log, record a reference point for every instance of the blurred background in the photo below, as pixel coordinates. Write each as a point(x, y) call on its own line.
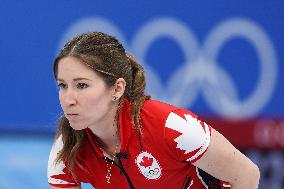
point(222, 59)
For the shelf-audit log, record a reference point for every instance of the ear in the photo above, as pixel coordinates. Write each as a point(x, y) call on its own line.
point(119, 88)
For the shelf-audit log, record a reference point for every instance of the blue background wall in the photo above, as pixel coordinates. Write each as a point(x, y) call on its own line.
point(32, 32)
point(184, 56)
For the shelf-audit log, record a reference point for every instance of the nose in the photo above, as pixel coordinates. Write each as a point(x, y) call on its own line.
point(68, 97)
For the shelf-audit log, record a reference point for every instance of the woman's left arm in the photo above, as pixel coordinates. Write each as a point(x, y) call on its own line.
point(223, 161)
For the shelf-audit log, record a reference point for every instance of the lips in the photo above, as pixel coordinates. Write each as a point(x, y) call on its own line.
point(72, 116)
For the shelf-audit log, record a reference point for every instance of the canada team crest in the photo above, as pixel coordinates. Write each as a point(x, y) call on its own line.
point(148, 165)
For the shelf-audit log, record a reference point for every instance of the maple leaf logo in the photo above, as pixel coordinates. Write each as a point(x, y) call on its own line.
point(146, 161)
point(193, 135)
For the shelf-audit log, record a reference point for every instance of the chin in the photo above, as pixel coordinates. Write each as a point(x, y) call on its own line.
point(77, 127)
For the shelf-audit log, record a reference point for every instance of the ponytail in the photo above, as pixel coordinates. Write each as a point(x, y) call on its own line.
point(136, 94)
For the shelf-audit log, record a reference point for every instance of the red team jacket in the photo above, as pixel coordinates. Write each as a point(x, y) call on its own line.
point(173, 138)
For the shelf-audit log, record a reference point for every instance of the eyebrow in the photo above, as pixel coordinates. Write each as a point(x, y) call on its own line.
point(76, 79)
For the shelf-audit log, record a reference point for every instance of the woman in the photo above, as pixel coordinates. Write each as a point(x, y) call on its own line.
point(114, 136)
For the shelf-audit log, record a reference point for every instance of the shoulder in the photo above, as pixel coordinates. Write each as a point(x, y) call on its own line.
point(157, 104)
point(162, 110)
point(154, 113)
point(157, 108)
point(184, 134)
point(158, 116)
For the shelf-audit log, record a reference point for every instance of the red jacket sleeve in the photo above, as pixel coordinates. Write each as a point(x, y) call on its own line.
point(186, 135)
point(58, 174)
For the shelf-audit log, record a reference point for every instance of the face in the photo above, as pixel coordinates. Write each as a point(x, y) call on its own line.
point(84, 96)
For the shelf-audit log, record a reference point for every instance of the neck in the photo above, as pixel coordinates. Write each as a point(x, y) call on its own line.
point(107, 133)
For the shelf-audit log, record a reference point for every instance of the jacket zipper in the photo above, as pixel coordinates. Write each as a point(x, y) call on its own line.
point(120, 166)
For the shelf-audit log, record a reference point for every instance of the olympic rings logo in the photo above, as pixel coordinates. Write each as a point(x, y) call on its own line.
point(153, 172)
point(200, 73)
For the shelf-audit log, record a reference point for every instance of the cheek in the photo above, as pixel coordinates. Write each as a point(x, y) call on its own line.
point(60, 97)
point(92, 103)
point(96, 103)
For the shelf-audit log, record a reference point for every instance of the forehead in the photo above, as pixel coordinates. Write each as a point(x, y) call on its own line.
point(73, 67)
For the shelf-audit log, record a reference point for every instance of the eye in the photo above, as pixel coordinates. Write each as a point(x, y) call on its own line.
point(62, 86)
point(82, 85)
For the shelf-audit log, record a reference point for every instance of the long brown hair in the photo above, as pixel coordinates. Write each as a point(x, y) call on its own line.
point(107, 57)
